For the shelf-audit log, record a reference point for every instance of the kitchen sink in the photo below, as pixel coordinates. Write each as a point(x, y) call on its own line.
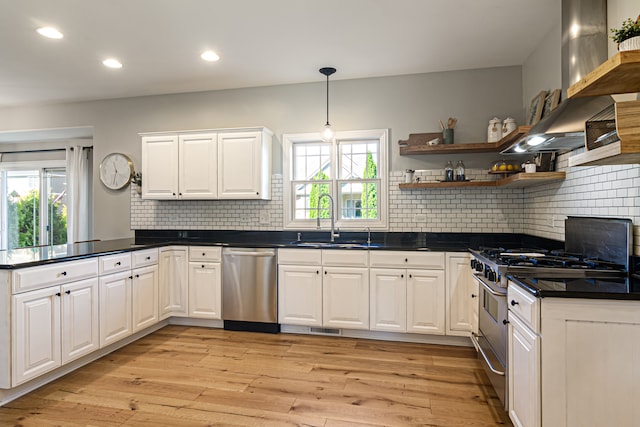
point(336, 245)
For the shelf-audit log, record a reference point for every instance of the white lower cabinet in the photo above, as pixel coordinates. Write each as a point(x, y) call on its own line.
point(425, 302)
point(144, 297)
point(462, 295)
point(205, 296)
point(410, 297)
point(327, 288)
point(52, 326)
point(205, 282)
point(388, 305)
point(115, 307)
point(345, 297)
point(300, 295)
point(80, 319)
point(524, 374)
point(173, 282)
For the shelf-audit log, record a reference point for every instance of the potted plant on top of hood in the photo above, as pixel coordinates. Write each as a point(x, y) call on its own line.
point(628, 35)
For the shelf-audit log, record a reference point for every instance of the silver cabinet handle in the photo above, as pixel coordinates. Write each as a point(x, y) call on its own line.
point(474, 338)
point(262, 254)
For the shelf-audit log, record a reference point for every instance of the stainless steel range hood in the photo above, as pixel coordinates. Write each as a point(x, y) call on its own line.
point(584, 47)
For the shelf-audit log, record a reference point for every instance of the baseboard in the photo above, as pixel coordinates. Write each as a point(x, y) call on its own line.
point(383, 336)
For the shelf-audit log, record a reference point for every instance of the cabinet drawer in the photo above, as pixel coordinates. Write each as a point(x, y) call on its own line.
point(300, 256)
point(350, 258)
point(525, 306)
point(114, 263)
point(52, 274)
point(205, 253)
point(144, 257)
point(407, 259)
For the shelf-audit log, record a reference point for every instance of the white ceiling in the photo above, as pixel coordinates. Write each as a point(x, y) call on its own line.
point(260, 42)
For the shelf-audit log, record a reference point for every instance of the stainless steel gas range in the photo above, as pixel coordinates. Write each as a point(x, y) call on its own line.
point(597, 248)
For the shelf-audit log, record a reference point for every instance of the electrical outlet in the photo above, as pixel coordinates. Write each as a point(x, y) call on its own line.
point(420, 218)
point(245, 218)
point(264, 217)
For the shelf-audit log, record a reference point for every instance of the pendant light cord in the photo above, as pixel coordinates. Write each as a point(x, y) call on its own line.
point(327, 100)
point(327, 71)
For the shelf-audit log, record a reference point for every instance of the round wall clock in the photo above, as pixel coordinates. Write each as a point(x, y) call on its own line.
point(116, 170)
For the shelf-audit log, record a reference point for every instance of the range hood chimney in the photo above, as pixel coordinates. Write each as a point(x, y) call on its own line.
point(584, 47)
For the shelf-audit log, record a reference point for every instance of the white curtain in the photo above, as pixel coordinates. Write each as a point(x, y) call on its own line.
point(78, 194)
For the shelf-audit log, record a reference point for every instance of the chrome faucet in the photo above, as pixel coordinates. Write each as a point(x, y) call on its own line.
point(334, 231)
point(368, 235)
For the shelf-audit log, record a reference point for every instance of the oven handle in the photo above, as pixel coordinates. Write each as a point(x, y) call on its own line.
point(488, 288)
point(476, 343)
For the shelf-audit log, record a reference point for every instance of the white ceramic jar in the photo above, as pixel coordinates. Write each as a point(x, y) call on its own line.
point(508, 126)
point(494, 131)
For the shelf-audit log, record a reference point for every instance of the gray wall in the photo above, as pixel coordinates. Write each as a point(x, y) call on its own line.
point(405, 104)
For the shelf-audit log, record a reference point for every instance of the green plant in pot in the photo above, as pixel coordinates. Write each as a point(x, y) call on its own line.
point(136, 178)
point(628, 35)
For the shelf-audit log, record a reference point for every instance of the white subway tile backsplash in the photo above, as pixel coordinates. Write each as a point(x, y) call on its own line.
point(609, 191)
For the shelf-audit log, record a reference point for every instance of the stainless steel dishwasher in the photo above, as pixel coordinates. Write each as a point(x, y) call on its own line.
point(249, 289)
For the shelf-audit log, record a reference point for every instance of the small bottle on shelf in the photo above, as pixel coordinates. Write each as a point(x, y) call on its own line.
point(460, 176)
point(448, 171)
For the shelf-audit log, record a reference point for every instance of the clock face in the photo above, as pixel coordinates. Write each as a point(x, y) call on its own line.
point(116, 170)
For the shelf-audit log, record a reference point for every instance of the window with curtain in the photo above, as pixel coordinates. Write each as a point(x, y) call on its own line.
point(37, 198)
point(352, 170)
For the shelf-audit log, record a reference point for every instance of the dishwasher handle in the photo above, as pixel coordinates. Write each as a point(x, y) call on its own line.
point(250, 253)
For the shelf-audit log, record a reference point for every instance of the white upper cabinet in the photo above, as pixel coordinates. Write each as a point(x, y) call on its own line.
point(199, 165)
point(245, 165)
point(160, 167)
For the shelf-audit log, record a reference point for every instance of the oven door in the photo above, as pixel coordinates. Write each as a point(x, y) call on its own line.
point(491, 342)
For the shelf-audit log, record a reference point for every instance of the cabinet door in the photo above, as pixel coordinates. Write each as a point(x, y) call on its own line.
point(80, 320)
point(198, 166)
point(345, 297)
point(205, 290)
point(300, 295)
point(115, 307)
point(524, 375)
point(35, 333)
point(240, 165)
point(160, 167)
point(425, 301)
point(388, 306)
point(173, 282)
point(144, 297)
point(462, 296)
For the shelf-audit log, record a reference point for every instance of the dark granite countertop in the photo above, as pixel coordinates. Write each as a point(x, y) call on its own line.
point(442, 242)
point(627, 288)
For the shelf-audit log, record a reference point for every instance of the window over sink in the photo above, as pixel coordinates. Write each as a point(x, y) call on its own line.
point(352, 169)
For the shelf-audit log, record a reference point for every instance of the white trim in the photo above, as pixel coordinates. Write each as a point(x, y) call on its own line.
point(381, 135)
point(36, 165)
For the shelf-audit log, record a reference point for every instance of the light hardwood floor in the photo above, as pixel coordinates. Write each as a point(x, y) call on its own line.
point(186, 376)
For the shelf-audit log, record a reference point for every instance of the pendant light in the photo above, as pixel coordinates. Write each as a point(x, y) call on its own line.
point(327, 132)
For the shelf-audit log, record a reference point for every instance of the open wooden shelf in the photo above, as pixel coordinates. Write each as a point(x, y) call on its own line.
point(409, 147)
point(518, 180)
point(618, 74)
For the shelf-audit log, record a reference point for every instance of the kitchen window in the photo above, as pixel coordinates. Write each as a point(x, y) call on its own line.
point(34, 204)
point(352, 170)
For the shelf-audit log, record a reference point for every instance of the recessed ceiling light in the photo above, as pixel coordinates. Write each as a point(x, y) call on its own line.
point(210, 56)
point(49, 32)
point(112, 63)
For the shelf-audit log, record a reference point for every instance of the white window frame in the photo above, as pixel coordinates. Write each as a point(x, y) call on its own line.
point(381, 223)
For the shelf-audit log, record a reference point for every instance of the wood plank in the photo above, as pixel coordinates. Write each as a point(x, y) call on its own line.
point(519, 180)
point(235, 378)
point(618, 74)
point(415, 145)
